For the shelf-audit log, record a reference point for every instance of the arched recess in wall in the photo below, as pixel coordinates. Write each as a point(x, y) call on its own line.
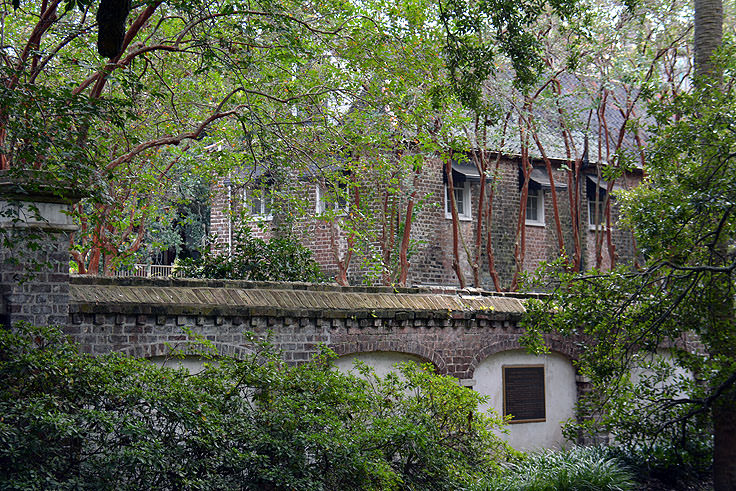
point(382, 362)
point(540, 390)
point(193, 363)
point(161, 355)
point(564, 346)
point(409, 348)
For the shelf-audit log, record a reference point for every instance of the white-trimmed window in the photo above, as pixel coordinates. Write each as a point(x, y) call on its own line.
point(331, 198)
point(462, 201)
point(535, 207)
point(597, 213)
point(258, 199)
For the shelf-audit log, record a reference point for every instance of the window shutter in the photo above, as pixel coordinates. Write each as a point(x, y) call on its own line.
point(523, 393)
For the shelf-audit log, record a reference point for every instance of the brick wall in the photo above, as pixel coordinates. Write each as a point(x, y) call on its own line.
point(458, 332)
point(221, 211)
point(146, 317)
point(34, 248)
point(34, 276)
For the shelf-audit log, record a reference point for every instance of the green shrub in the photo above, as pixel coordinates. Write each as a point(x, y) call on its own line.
point(114, 422)
point(671, 466)
point(580, 469)
point(254, 259)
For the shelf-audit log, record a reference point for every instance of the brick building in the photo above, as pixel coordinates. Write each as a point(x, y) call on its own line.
point(473, 336)
point(431, 261)
point(518, 236)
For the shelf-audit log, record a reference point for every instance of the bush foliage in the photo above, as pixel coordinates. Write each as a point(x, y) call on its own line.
point(282, 258)
point(666, 466)
point(76, 421)
point(579, 468)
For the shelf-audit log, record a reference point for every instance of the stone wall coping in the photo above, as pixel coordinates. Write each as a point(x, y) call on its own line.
point(173, 296)
point(291, 285)
point(37, 186)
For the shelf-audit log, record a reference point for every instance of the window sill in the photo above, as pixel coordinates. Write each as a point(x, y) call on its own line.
point(462, 218)
point(324, 215)
point(261, 218)
point(593, 228)
point(535, 224)
point(522, 421)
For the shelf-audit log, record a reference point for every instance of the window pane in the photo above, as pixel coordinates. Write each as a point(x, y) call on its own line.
point(260, 200)
point(596, 212)
point(321, 203)
point(331, 198)
point(342, 201)
point(459, 203)
point(255, 207)
point(532, 211)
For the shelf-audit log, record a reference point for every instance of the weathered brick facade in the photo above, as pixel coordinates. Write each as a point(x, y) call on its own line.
point(40, 297)
point(431, 263)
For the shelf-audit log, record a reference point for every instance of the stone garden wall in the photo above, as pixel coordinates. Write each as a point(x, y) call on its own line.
point(454, 330)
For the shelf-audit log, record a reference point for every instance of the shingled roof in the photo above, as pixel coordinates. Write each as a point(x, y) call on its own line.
point(578, 106)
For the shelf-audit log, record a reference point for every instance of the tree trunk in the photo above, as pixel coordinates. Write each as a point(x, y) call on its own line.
point(455, 225)
point(406, 236)
point(721, 341)
point(708, 37)
point(724, 445)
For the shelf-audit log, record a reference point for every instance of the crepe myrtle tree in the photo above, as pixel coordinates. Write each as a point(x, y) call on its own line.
point(234, 83)
point(370, 160)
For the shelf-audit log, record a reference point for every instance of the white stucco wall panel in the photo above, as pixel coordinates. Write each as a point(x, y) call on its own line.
point(661, 365)
point(382, 361)
point(193, 364)
point(560, 396)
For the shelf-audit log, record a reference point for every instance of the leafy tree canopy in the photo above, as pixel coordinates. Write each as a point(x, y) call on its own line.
point(658, 342)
